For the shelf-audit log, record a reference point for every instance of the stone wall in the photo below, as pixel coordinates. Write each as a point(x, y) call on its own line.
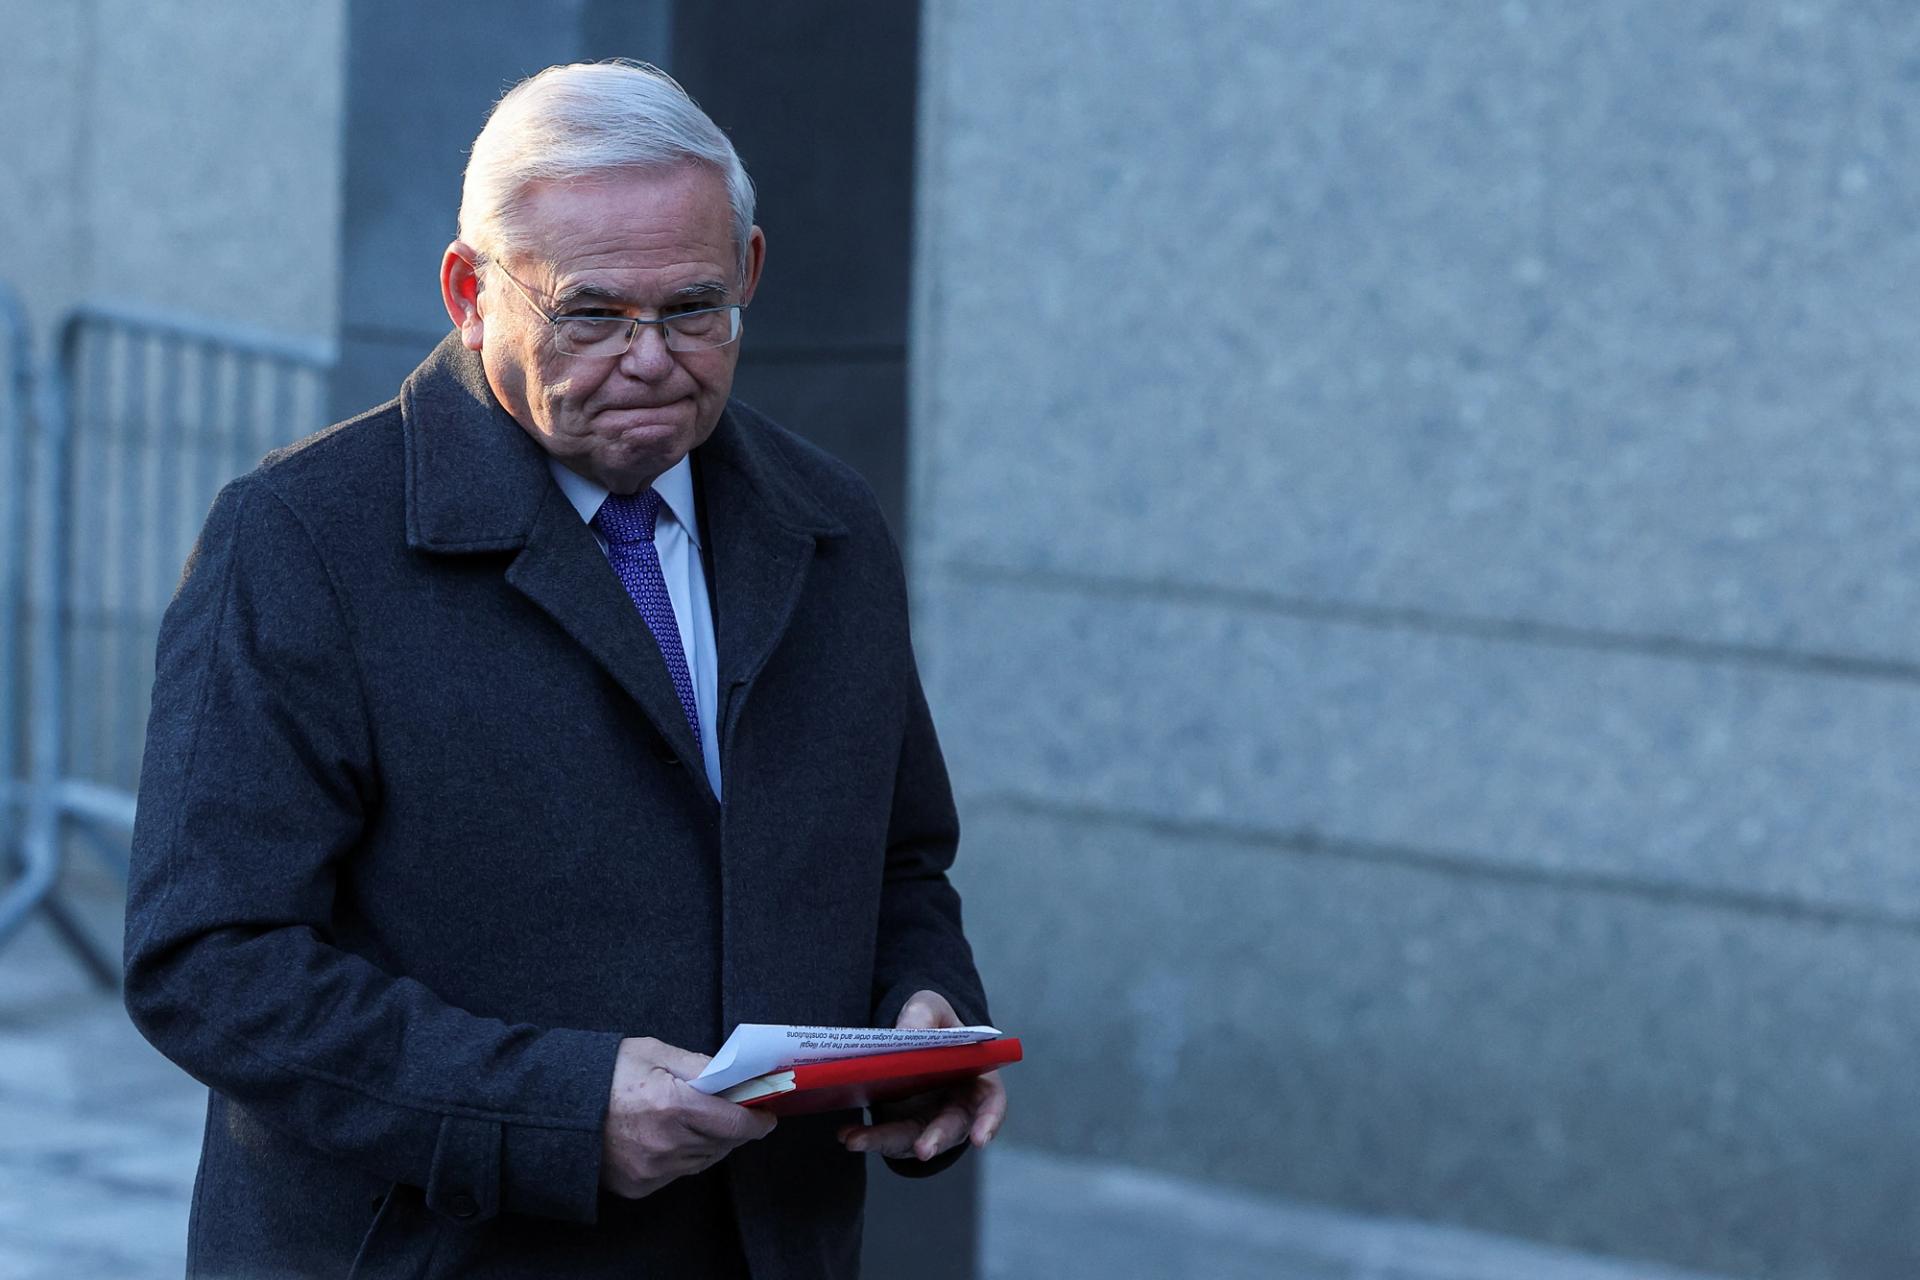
point(1416, 574)
point(182, 154)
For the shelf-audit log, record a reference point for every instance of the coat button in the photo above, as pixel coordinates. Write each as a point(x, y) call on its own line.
point(462, 1205)
point(664, 750)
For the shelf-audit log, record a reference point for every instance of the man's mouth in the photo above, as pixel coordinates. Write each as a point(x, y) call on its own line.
point(642, 408)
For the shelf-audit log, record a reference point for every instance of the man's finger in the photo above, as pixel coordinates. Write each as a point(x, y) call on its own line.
point(895, 1138)
point(989, 1108)
point(943, 1131)
point(911, 1139)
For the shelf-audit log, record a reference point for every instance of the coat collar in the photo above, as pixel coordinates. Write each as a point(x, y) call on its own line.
point(475, 480)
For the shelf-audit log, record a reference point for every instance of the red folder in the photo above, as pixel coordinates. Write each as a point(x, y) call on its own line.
point(878, 1077)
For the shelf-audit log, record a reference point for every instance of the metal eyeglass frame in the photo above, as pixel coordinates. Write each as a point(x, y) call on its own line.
point(667, 332)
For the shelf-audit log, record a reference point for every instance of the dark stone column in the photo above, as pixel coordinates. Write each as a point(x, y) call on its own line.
point(420, 78)
point(819, 100)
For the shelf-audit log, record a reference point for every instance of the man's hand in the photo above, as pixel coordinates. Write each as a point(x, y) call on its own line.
point(659, 1128)
point(922, 1127)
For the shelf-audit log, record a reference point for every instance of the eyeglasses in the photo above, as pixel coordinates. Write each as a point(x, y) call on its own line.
point(702, 329)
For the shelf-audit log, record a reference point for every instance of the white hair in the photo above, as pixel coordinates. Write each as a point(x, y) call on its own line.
point(585, 118)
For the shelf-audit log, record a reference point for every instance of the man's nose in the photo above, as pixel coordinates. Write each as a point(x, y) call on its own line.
point(648, 358)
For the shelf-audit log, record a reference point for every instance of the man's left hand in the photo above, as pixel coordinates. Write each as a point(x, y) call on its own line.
point(920, 1128)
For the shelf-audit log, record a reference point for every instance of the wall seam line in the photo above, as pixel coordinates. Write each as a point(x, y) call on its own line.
point(1308, 842)
point(1413, 620)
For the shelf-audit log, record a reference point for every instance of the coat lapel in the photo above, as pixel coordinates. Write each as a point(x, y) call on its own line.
point(476, 482)
point(562, 570)
point(763, 528)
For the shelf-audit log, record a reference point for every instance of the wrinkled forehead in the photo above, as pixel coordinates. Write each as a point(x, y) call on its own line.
point(674, 220)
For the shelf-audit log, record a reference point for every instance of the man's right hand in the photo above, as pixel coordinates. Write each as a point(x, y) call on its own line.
point(660, 1128)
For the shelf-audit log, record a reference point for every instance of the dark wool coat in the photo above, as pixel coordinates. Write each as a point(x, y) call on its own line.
point(423, 833)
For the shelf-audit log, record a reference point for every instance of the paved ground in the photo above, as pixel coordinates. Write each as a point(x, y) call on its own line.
point(98, 1137)
point(1068, 1220)
point(98, 1133)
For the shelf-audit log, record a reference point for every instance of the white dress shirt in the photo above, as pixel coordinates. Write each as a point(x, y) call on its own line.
point(676, 538)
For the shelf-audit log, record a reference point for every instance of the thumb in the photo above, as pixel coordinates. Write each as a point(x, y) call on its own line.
point(925, 1011)
point(726, 1120)
point(756, 1123)
point(683, 1064)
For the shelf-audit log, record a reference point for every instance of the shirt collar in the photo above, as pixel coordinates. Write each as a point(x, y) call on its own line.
point(674, 485)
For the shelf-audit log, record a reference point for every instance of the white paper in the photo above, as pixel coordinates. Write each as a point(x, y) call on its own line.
point(756, 1048)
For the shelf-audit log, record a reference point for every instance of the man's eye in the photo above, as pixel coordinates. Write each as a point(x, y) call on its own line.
point(591, 321)
point(589, 329)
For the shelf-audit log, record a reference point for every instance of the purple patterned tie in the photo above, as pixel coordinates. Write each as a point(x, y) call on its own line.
point(626, 522)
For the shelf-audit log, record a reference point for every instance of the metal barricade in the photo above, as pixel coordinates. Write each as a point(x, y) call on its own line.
point(16, 392)
point(146, 416)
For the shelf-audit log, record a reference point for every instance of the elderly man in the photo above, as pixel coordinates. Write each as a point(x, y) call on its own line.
point(515, 740)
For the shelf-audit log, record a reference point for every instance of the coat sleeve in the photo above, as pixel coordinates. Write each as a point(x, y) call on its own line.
point(920, 944)
point(258, 781)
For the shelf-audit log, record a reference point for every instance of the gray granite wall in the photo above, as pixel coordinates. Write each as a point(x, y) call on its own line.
point(1416, 573)
point(182, 154)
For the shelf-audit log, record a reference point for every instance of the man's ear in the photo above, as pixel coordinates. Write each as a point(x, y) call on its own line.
point(460, 291)
point(756, 259)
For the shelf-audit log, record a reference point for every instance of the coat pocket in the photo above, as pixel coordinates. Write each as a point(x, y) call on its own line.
point(401, 1240)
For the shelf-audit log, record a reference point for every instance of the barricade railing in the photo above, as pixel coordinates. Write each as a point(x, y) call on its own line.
point(146, 415)
point(16, 397)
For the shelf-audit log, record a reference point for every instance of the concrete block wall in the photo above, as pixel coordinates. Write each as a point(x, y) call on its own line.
point(182, 154)
point(1417, 576)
